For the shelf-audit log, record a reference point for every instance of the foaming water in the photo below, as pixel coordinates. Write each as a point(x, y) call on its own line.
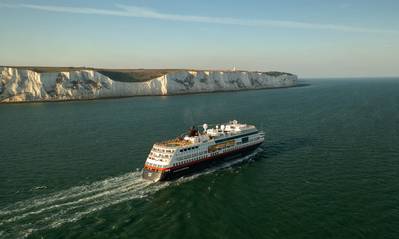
point(53, 210)
point(50, 211)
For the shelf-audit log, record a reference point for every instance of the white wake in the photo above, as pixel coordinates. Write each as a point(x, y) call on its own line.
point(21, 219)
point(50, 211)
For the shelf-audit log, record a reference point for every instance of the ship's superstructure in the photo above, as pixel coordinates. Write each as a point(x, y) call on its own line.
point(200, 148)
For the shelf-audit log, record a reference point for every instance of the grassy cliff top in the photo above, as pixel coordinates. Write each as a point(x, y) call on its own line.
point(123, 75)
point(135, 75)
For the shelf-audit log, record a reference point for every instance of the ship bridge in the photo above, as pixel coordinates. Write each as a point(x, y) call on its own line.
point(230, 128)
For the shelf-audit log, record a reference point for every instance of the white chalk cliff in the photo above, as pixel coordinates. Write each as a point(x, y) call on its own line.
point(21, 85)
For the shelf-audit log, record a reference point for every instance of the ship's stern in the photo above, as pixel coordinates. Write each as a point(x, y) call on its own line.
point(159, 160)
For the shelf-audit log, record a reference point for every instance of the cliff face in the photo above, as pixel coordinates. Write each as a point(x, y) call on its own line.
point(20, 85)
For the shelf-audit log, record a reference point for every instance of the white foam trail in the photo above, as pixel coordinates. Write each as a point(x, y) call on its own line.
point(50, 211)
point(74, 192)
point(23, 218)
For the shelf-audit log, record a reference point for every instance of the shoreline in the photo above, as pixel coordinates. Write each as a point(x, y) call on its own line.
point(122, 97)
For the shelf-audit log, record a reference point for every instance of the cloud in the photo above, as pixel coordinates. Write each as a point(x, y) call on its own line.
point(140, 12)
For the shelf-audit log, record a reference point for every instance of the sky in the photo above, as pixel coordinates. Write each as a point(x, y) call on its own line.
point(310, 38)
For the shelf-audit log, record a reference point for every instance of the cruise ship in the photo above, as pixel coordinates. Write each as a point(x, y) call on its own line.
point(199, 149)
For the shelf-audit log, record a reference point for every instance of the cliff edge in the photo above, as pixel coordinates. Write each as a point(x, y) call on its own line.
point(19, 84)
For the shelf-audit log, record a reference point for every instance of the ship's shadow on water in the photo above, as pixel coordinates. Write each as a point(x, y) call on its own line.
point(265, 151)
point(270, 150)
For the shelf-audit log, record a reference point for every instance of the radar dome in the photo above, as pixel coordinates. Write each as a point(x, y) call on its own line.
point(205, 126)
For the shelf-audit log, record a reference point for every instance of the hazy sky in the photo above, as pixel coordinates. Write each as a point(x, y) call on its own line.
point(311, 38)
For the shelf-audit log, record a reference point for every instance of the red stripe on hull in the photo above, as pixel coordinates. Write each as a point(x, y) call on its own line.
point(198, 161)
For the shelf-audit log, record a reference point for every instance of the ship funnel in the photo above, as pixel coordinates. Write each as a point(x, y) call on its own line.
point(205, 126)
point(222, 127)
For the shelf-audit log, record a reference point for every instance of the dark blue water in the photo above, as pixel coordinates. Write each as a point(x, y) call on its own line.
point(329, 167)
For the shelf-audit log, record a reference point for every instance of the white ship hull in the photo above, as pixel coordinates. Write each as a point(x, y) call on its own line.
point(198, 150)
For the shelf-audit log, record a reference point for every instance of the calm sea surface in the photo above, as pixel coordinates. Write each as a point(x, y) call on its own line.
point(329, 167)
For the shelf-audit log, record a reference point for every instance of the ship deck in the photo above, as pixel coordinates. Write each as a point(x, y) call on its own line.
point(174, 143)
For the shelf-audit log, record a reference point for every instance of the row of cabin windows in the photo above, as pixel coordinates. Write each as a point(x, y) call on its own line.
point(191, 155)
point(186, 149)
point(160, 155)
point(153, 165)
point(244, 141)
point(163, 150)
point(185, 161)
point(158, 159)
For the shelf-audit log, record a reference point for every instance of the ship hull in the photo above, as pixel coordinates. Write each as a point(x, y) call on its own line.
point(191, 169)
